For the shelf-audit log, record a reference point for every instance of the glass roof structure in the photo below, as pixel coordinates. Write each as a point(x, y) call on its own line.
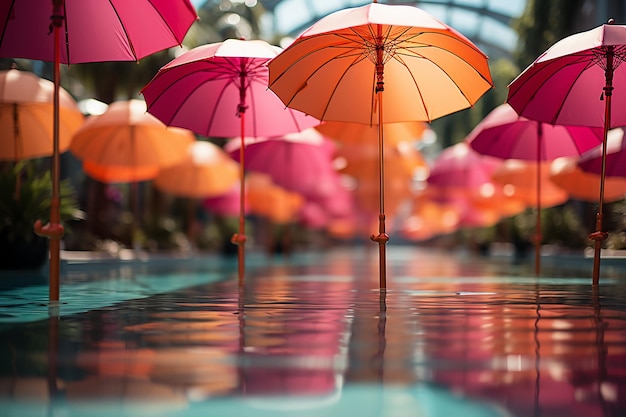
point(486, 22)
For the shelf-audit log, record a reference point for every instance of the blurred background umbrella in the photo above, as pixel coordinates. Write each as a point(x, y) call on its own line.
point(26, 110)
point(92, 32)
point(337, 69)
point(212, 88)
point(126, 137)
point(463, 177)
point(614, 156)
point(518, 179)
point(119, 174)
point(208, 171)
point(583, 185)
point(506, 135)
point(299, 162)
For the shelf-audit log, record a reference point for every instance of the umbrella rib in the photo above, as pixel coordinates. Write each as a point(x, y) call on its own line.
point(6, 22)
point(169, 27)
point(350, 49)
point(128, 38)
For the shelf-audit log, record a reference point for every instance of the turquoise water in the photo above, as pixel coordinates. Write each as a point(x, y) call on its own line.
point(311, 335)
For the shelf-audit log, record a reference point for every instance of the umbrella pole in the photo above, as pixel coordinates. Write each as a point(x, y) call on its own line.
point(382, 236)
point(538, 237)
point(239, 238)
point(54, 230)
point(598, 235)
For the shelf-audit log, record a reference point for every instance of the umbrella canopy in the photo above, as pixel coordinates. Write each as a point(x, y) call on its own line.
point(207, 172)
point(92, 31)
point(582, 185)
point(463, 177)
point(126, 143)
point(295, 164)
point(367, 135)
point(337, 70)
point(519, 180)
point(429, 219)
point(209, 88)
point(126, 136)
point(505, 134)
point(226, 204)
point(460, 167)
point(212, 88)
point(572, 83)
point(26, 110)
point(266, 199)
point(119, 174)
point(615, 156)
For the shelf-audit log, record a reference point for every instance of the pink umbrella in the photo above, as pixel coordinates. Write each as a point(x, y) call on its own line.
point(463, 177)
point(572, 84)
point(226, 204)
point(505, 134)
point(211, 88)
point(294, 162)
point(460, 167)
point(92, 31)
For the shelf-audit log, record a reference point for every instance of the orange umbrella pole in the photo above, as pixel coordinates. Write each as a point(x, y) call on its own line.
point(538, 237)
point(382, 236)
point(239, 238)
point(598, 236)
point(54, 230)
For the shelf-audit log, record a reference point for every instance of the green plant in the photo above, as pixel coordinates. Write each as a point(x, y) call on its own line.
point(25, 195)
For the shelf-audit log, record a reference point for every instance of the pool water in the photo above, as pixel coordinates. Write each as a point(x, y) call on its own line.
point(311, 335)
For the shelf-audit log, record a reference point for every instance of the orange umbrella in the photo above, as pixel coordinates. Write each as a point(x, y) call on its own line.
point(206, 172)
point(26, 109)
point(337, 70)
point(519, 179)
point(429, 219)
point(403, 162)
point(125, 140)
point(366, 134)
point(126, 135)
point(583, 185)
point(112, 174)
point(269, 200)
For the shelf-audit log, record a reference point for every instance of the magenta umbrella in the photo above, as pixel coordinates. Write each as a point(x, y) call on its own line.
point(212, 88)
point(505, 134)
point(93, 31)
point(296, 162)
point(572, 83)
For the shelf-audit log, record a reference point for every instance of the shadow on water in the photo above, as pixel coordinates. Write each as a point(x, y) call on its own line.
point(313, 336)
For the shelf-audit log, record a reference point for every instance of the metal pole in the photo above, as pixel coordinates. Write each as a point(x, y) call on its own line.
point(54, 230)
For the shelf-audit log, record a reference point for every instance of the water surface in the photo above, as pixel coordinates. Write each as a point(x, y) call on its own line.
point(311, 335)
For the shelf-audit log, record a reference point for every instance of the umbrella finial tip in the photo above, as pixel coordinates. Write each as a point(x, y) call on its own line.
point(611, 21)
